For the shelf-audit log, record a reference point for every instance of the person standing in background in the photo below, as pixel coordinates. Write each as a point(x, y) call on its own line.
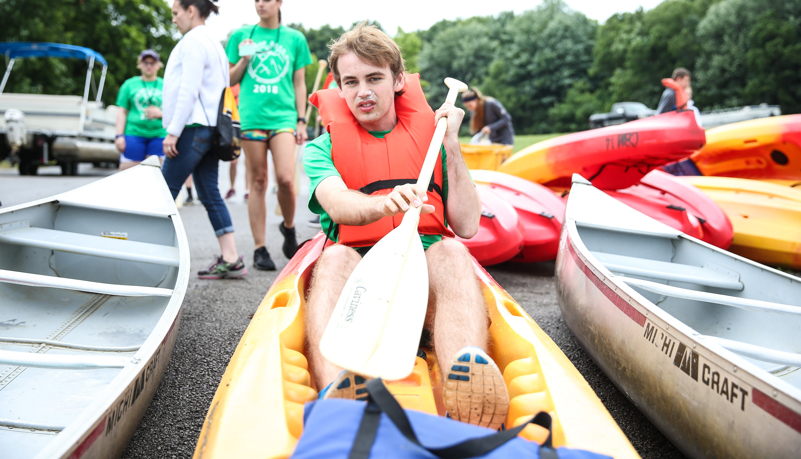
point(489, 117)
point(139, 130)
point(667, 103)
point(268, 60)
point(194, 80)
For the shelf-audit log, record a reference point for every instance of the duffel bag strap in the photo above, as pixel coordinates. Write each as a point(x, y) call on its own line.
point(381, 400)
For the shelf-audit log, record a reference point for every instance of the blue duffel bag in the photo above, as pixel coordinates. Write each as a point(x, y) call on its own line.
point(380, 428)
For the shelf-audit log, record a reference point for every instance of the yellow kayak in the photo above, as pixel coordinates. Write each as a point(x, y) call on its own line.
point(765, 148)
point(257, 411)
point(766, 217)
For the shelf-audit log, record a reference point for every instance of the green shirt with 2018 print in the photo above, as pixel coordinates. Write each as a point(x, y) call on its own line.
point(135, 96)
point(267, 91)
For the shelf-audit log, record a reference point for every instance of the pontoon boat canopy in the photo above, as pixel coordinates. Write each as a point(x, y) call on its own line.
point(17, 49)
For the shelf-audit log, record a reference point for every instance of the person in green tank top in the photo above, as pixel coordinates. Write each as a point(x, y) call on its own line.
point(139, 130)
point(268, 61)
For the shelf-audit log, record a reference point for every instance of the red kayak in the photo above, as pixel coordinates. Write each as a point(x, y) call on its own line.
point(612, 158)
point(679, 205)
point(540, 210)
point(500, 232)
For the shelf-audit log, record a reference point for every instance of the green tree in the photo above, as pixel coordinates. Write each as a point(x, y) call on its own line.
point(463, 51)
point(117, 29)
point(319, 39)
point(574, 112)
point(750, 54)
point(410, 45)
point(544, 52)
point(774, 61)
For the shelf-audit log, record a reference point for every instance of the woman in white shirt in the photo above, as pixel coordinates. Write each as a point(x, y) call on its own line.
point(196, 74)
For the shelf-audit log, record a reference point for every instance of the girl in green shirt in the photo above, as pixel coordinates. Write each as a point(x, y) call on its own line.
point(139, 130)
point(267, 59)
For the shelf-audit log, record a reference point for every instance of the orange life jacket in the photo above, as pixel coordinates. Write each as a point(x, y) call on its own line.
point(376, 166)
point(681, 96)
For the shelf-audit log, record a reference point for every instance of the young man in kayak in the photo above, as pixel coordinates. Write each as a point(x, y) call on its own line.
point(363, 174)
point(668, 101)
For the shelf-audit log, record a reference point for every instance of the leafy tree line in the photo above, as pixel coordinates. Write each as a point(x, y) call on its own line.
point(551, 67)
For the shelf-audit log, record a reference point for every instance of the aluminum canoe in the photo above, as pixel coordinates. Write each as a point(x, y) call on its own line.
point(91, 287)
point(257, 411)
point(707, 344)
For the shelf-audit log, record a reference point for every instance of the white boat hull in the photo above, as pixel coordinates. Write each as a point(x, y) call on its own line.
point(91, 286)
point(708, 401)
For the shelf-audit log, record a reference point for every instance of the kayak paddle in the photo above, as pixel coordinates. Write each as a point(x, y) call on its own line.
point(376, 325)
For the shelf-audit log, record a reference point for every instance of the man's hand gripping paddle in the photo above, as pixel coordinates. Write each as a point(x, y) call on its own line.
point(376, 326)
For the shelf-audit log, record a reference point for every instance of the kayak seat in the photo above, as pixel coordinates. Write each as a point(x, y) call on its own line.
point(85, 244)
point(663, 270)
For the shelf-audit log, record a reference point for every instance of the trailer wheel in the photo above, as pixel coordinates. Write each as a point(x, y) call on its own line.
point(69, 169)
point(28, 167)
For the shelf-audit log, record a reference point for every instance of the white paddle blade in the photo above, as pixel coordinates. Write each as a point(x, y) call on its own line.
point(395, 356)
point(360, 316)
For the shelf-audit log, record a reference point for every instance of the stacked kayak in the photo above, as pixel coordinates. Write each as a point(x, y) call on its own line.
point(520, 220)
point(613, 157)
point(765, 148)
point(257, 411)
point(706, 343)
point(766, 217)
point(672, 202)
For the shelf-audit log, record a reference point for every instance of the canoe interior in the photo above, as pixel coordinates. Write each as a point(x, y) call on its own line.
point(771, 330)
point(52, 398)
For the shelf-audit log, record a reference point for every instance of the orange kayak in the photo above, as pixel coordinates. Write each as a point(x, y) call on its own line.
point(612, 158)
point(257, 411)
point(765, 148)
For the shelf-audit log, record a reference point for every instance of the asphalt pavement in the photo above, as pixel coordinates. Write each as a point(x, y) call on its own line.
point(216, 314)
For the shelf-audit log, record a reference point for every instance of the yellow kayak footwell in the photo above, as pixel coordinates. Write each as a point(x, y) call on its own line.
point(766, 217)
point(257, 411)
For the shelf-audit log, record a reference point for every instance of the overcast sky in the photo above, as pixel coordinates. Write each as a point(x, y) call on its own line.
point(407, 14)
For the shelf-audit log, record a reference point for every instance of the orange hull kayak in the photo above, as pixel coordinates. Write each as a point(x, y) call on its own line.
point(613, 157)
point(257, 411)
point(765, 148)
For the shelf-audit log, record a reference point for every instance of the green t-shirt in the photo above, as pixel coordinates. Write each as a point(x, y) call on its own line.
point(135, 96)
point(267, 95)
point(319, 165)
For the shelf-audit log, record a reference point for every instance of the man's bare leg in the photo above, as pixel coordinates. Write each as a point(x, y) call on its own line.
point(328, 279)
point(457, 315)
point(256, 164)
point(474, 390)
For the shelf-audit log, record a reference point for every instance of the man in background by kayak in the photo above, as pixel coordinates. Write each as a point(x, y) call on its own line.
point(668, 101)
point(363, 179)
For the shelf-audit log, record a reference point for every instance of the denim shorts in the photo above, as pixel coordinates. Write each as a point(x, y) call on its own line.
point(138, 148)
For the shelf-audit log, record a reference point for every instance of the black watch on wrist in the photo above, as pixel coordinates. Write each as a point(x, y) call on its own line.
point(300, 118)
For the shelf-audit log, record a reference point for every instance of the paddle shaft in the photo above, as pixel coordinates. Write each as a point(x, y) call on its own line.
point(432, 156)
point(323, 64)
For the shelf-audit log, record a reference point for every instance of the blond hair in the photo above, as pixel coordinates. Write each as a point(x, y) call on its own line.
point(371, 45)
